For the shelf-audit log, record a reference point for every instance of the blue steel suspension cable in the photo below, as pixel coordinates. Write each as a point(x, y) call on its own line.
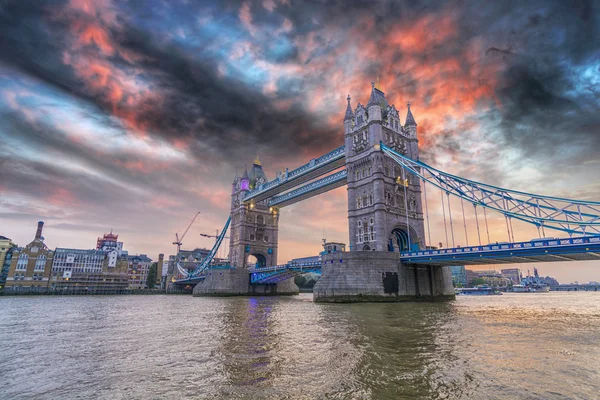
point(477, 223)
point(444, 212)
point(518, 205)
point(506, 218)
point(486, 225)
point(464, 221)
point(427, 215)
point(404, 184)
point(450, 215)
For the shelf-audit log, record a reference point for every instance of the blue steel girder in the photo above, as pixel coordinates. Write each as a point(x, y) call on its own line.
point(315, 188)
point(569, 249)
point(313, 169)
point(566, 215)
point(278, 273)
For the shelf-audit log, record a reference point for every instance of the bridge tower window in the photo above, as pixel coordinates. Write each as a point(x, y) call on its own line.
point(366, 233)
point(360, 232)
point(372, 229)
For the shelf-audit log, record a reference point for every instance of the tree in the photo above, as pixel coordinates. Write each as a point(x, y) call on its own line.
point(151, 279)
point(478, 281)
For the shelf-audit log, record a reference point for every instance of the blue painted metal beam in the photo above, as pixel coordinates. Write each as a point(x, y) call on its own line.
point(280, 273)
point(313, 169)
point(571, 249)
point(317, 187)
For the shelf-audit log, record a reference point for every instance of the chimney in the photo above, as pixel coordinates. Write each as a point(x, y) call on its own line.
point(38, 234)
point(159, 267)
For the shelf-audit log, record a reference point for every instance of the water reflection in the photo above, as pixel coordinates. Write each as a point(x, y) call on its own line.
point(138, 347)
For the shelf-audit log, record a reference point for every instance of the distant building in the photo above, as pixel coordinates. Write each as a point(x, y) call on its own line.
point(111, 245)
point(493, 278)
point(470, 276)
point(333, 247)
point(187, 259)
point(137, 271)
point(514, 274)
point(30, 266)
point(459, 275)
point(91, 271)
point(6, 250)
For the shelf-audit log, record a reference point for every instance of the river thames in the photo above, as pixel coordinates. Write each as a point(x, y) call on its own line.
point(515, 346)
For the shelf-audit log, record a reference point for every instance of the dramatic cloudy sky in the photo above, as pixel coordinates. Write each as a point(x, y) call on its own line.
point(133, 115)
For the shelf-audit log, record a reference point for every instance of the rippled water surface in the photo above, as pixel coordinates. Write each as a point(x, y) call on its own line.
point(515, 346)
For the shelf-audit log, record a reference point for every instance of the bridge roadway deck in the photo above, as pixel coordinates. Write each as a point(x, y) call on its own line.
point(313, 169)
point(571, 249)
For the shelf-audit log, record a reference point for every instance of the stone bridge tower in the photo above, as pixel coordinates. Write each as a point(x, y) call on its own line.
point(385, 214)
point(254, 226)
point(253, 234)
point(384, 203)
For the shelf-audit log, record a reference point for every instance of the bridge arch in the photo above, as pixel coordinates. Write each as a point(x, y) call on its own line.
point(398, 239)
point(256, 260)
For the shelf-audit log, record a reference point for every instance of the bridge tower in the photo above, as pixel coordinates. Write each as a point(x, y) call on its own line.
point(384, 203)
point(385, 214)
point(253, 235)
point(254, 226)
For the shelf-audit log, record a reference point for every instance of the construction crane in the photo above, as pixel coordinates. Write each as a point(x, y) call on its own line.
point(178, 239)
point(215, 236)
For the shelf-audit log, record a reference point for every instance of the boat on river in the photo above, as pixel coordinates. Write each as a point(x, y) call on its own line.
point(483, 290)
point(532, 284)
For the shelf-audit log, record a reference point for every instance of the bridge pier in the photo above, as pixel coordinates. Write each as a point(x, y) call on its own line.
point(236, 282)
point(379, 276)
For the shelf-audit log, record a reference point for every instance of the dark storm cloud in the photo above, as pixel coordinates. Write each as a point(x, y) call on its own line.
point(191, 91)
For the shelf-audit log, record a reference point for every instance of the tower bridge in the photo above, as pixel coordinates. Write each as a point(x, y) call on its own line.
point(391, 256)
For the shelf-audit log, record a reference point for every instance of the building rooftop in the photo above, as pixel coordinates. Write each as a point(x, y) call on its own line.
point(139, 257)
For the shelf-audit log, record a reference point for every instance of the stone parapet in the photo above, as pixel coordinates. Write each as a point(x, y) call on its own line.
point(376, 276)
point(236, 282)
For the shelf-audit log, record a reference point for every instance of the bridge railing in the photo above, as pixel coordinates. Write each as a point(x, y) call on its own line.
point(550, 242)
point(285, 266)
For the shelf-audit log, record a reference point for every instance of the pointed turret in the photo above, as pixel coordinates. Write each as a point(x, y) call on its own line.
point(410, 120)
point(373, 97)
point(245, 182)
point(348, 118)
point(349, 114)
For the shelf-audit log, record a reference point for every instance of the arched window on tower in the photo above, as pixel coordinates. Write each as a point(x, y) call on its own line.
point(364, 200)
point(372, 229)
point(366, 233)
point(370, 199)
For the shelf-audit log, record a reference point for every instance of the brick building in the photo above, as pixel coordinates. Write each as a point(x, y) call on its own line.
point(30, 266)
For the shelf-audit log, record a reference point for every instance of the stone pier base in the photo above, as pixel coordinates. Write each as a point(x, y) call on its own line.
point(236, 282)
point(375, 276)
